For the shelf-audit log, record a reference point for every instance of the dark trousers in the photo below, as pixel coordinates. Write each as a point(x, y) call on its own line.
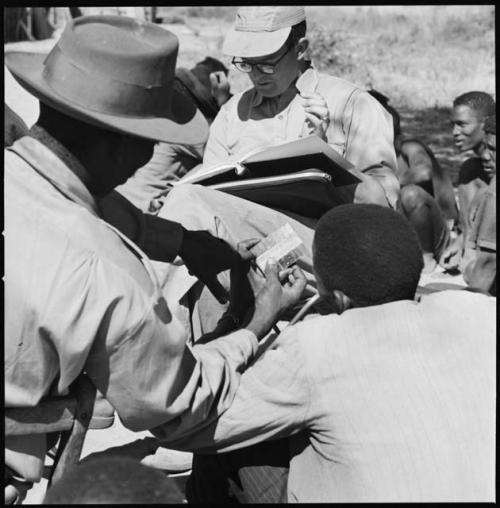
point(256, 474)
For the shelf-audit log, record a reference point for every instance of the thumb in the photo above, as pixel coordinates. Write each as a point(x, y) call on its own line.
point(271, 271)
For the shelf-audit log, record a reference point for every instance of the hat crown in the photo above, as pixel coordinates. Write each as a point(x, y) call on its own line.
point(117, 73)
point(124, 49)
point(268, 19)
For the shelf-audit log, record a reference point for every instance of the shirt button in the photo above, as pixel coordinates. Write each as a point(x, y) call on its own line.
point(280, 117)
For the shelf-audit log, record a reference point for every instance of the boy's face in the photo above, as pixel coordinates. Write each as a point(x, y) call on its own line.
point(467, 128)
point(489, 153)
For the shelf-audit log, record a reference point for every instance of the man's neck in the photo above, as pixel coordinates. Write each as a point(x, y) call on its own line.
point(64, 153)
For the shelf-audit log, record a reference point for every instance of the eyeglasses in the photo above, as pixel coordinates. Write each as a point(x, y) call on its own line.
point(265, 68)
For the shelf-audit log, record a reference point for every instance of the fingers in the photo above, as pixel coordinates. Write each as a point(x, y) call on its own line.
point(284, 275)
point(244, 247)
point(313, 100)
point(312, 96)
point(319, 112)
point(299, 280)
point(271, 271)
point(314, 121)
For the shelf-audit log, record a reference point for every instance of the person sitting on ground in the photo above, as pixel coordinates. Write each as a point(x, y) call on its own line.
point(427, 198)
point(114, 481)
point(469, 113)
point(397, 396)
point(206, 84)
point(290, 99)
point(79, 294)
point(479, 262)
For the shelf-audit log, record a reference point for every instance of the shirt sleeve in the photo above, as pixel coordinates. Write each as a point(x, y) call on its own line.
point(272, 401)
point(138, 357)
point(159, 238)
point(216, 150)
point(370, 142)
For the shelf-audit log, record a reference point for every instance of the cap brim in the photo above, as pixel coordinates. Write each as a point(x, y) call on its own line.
point(186, 125)
point(254, 44)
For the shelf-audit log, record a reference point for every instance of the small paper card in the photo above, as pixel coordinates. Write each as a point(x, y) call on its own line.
point(282, 245)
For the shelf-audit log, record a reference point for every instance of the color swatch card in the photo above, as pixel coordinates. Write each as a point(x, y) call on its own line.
point(282, 245)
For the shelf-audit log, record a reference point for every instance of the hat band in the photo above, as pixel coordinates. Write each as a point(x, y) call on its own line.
point(97, 93)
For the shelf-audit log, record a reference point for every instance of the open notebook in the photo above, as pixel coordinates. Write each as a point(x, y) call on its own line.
point(292, 158)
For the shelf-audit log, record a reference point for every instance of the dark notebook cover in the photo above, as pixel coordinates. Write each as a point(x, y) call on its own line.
point(305, 153)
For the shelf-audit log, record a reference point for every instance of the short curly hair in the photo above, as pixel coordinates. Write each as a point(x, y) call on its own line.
point(480, 102)
point(369, 252)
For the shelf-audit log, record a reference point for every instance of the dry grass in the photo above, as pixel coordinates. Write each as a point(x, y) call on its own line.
point(420, 56)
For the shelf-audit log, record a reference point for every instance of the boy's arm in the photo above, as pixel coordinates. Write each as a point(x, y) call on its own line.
point(272, 400)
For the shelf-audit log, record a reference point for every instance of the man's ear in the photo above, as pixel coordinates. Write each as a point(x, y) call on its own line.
point(301, 48)
point(341, 301)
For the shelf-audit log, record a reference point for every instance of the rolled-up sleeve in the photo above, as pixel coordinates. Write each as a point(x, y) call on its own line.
point(272, 401)
point(370, 142)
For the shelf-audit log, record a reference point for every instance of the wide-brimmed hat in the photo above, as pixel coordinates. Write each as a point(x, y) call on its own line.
point(114, 72)
point(260, 31)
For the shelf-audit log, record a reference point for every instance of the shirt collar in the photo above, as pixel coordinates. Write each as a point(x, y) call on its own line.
point(53, 161)
point(307, 82)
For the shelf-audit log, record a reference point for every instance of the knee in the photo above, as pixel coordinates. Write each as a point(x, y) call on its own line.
point(422, 174)
point(369, 191)
point(412, 196)
point(184, 193)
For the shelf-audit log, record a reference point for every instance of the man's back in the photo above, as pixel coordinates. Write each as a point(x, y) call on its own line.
point(397, 402)
point(404, 398)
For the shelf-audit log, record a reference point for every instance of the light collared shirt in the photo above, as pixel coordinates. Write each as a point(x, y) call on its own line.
point(147, 187)
point(79, 295)
point(398, 402)
point(360, 129)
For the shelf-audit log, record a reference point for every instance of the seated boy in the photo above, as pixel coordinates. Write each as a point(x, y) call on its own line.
point(395, 398)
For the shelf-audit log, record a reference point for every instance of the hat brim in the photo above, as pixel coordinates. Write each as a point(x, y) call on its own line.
point(186, 124)
point(254, 44)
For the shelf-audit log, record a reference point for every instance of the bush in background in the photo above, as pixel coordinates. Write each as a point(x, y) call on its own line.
point(420, 56)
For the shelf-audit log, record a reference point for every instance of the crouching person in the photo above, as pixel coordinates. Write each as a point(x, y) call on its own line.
point(386, 399)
